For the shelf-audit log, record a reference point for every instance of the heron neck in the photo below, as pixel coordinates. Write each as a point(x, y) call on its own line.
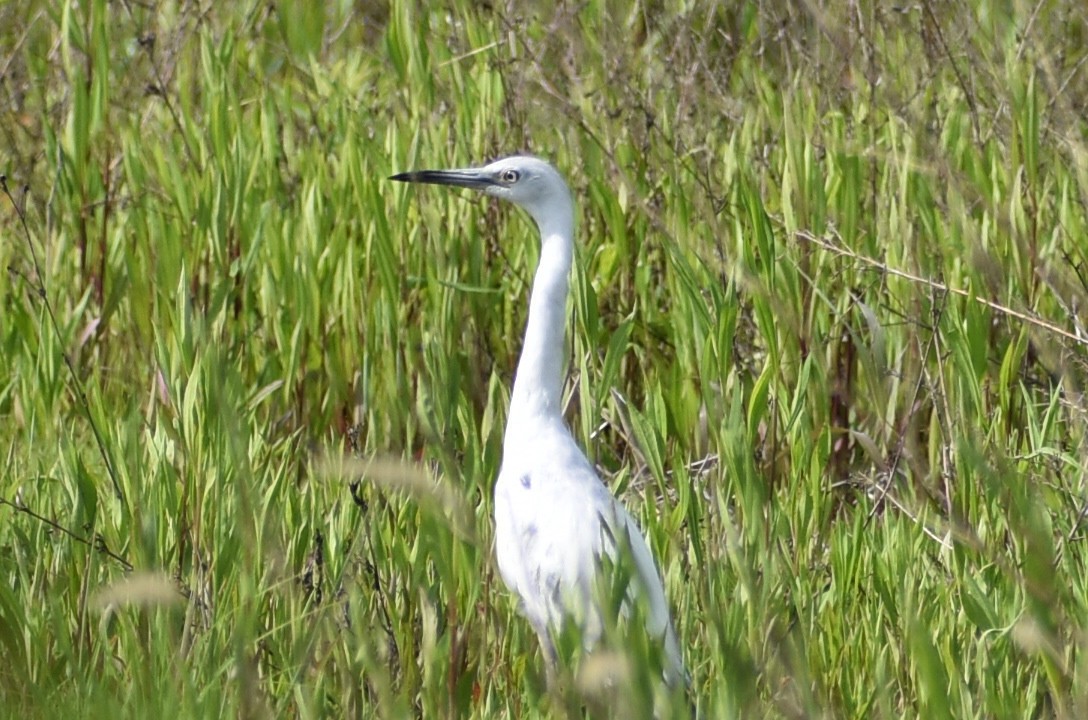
point(538, 384)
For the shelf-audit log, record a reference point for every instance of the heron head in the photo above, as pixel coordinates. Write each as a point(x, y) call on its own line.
point(528, 182)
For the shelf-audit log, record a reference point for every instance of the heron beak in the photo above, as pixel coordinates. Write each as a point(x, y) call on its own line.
point(474, 179)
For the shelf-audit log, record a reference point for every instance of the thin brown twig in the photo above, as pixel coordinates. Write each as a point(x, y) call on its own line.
point(897, 457)
point(885, 268)
point(99, 543)
point(147, 43)
point(967, 95)
point(40, 291)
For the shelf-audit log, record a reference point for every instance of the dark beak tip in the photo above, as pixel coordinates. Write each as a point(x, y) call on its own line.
point(452, 178)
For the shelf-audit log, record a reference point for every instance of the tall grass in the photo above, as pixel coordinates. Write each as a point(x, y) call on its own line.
point(828, 343)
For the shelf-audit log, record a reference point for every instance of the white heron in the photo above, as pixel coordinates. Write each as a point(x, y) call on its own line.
point(554, 519)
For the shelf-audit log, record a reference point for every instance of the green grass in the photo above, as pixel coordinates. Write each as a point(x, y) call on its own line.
point(828, 343)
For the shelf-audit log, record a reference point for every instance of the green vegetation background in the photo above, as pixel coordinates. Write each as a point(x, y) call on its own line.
point(828, 343)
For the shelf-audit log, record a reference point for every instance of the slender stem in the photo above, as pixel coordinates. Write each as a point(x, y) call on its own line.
point(77, 385)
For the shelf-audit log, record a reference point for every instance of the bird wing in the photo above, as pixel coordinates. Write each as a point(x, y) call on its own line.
point(648, 589)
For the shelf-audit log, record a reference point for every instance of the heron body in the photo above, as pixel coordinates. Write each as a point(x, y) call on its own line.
point(554, 519)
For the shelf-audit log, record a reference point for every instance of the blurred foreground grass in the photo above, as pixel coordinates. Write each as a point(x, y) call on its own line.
point(828, 342)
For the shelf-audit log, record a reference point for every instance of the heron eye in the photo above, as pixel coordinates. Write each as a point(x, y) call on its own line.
point(510, 176)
